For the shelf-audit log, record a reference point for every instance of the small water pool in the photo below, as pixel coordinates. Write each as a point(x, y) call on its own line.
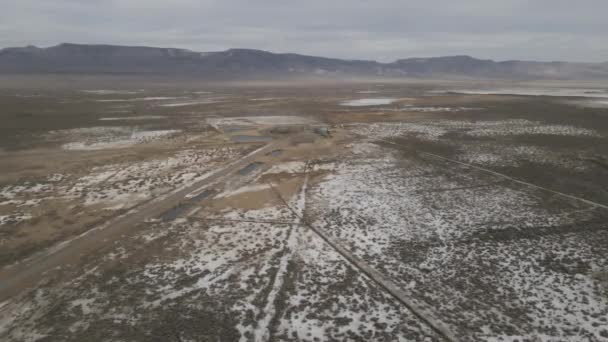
point(275, 153)
point(249, 168)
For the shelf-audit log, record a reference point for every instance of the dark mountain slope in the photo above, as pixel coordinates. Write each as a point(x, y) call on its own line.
point(245, 63)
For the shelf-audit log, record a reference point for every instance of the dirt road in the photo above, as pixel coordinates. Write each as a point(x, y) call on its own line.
point(21, 276)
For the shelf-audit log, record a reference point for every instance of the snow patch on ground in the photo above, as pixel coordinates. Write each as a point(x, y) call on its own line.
point(481, 154)
point(100, 138)
point(589, 103)
point(365, 148)
point(244, 189)
point(189, 103)
point(398, 129)
point(219, 123)
point(14, 218)
point(434, 130)
point(431, 109)
point(288, 167)
point(521, 127)
point(134, 118)
point(121, 185)
point(451, 238)
point(266, 99)
point(110, 92)
point(368, 102)
point(561, 92)
point(137, 99)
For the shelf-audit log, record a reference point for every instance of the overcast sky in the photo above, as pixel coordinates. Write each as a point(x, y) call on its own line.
point(355, 29)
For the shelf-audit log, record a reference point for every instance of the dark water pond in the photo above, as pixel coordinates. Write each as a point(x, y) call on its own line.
point(249, 168)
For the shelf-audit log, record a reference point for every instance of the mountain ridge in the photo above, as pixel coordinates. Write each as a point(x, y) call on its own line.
point(248, 63)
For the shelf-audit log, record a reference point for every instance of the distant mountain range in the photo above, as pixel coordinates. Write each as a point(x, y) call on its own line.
point(245, 63)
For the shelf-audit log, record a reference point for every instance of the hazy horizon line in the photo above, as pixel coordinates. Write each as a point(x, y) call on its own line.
point(299, 53)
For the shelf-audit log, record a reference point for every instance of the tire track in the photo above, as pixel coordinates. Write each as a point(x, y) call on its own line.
point(19, 277)
point(418, 308)
point(502, 175)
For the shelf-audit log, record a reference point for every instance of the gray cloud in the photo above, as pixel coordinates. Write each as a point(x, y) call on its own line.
point(362, 29)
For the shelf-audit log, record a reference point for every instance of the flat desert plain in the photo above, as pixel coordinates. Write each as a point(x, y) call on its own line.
point(363, 211)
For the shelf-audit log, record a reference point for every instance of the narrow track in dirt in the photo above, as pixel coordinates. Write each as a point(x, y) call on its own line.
point(502, 175)
point(21, 276)
point(418, 308)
